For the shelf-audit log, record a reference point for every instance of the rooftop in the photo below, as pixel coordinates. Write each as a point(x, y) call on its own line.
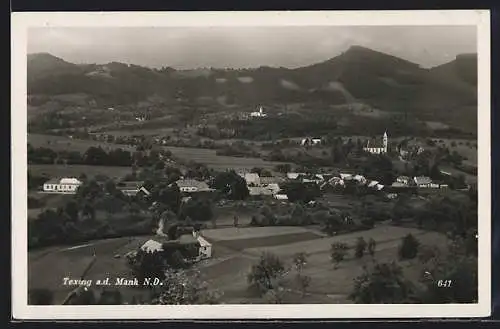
point(192, 183)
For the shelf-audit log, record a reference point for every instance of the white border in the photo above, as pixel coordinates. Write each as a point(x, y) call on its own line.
point(22, 21)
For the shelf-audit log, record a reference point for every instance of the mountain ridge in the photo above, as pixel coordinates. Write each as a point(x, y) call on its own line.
point(359, 75)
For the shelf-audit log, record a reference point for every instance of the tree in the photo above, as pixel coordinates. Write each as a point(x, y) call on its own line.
point(382, 284)
point(453, 276)
point(372, 244)
point(184, 288)
point(263, 274)
point(147, 265)
point(409, 247)
point(338, 252)
point(360, 247)
point(41, 296)
point(300, 261)
point(95, 156)
point(283, 168)
point(71, 209)
point(232, 184)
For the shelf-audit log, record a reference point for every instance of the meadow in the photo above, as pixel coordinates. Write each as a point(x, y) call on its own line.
point(199, 155)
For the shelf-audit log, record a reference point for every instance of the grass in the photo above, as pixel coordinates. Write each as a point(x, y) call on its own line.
point(229, 274)
point(77, 170)
point(200, 155)
point(227, 270)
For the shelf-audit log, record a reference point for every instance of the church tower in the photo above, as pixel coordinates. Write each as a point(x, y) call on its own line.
point(385, 141)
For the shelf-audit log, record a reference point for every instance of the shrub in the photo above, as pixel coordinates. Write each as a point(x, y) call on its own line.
point(409, 247)
point(360, 247)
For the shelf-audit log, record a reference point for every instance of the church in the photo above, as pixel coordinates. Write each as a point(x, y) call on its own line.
point(375, 147)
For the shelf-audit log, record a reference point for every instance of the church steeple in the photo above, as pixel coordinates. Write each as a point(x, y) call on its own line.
point(385, 141)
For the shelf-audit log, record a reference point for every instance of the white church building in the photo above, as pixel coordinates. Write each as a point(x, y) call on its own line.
point(258, 114)
point(375, 147)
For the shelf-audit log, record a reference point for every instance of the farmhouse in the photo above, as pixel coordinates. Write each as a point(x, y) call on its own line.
point(132, 188)
point(62, 186)
point(422, 181)
point(311, 141)
point(403, 180)
point(152, 246)
point(259, 190)
point(281, 197)
point(375, 147)
point(271, 180)
point(192, 186)
point(252, 179)
point(294, 175)
point(205, 250)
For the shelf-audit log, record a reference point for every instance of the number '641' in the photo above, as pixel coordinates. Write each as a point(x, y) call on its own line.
point(444, 283)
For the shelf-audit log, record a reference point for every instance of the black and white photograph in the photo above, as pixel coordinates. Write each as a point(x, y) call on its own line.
point(251, 165)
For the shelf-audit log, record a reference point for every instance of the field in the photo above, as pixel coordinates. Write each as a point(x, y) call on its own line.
point(236, 250)
point(48, 267)
point(200, 155)
point(77, 170)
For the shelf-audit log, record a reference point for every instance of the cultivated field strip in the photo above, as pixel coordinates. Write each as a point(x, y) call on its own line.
point(233, 233)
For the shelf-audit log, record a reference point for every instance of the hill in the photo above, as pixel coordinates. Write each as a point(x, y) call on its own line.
point(359, 75)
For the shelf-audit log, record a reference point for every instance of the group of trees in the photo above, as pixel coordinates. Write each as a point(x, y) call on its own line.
point(94, 156)
point(97, 210)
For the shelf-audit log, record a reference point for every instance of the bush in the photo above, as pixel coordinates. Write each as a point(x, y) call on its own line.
point(264, 274)
point(338, 252)
point(360, 247)
point(409, 247)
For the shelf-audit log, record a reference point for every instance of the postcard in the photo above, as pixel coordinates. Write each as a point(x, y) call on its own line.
point(251, 165)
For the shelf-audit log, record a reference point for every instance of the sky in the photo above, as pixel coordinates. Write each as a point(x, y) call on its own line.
point(240, 47)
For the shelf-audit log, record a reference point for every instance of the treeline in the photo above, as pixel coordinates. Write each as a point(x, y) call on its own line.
point(95, 156)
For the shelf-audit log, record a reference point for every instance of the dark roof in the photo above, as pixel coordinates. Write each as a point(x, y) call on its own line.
point(375, 142)
point(129, 185)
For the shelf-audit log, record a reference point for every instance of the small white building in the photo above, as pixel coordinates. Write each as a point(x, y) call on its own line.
point(152, 246)
point(205, 250)
point(403, 180)
point(62, 186)
point(294, 175)
point(422, 181)
point(281, 197)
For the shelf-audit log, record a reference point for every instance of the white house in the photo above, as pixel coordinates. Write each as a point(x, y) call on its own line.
point(311, 141)
point(375, 147)
point(422, 181)
point(132, 188)
point(281, 197)
point(252, 179)
point(192, 186)
point(205, 250)
point(152, 246)
point(62, 186)
point(293, 175)
point(403, 180)
point(258, 114)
